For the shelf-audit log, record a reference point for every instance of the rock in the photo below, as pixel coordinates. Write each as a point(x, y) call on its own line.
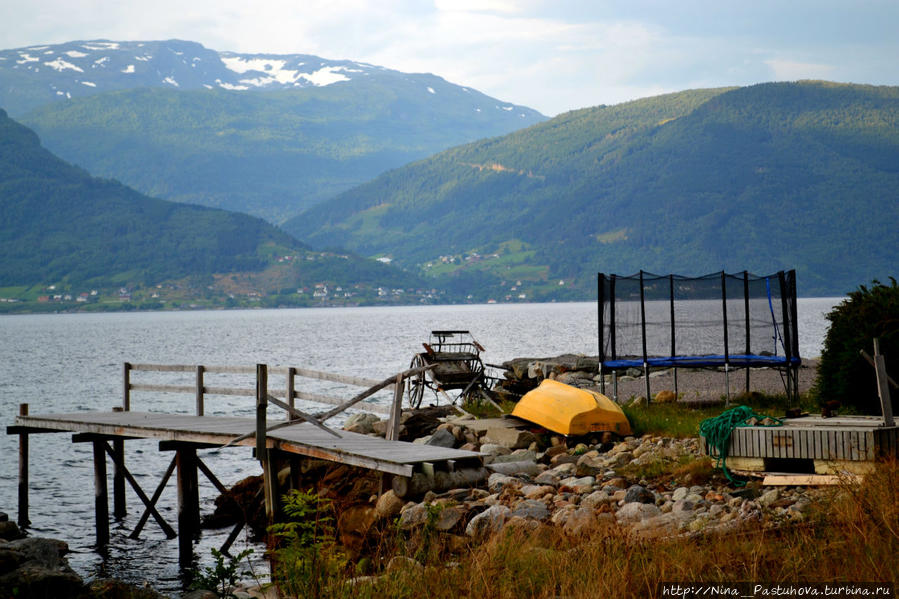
point(401, 562)
point(353, 524)
point(530, 509)
point(769, 497)
point(536, 491)
point(561, 515)
point(578, 485)
point(639, 494)
point(448, 518)
point(530, 468)
point(362, 423)
point(680, 493)
point(564, 458)
point(413, 515)
point(10, 531)
point(635, 512)
point(442, 438)
point(546, 478)
point(580, 522)
point(487, 522)
point(509, 437)
point(519, 455)
point(665, 396)
point(563, 470)
point(41, 570)
point(495, 450)
point(590, 465)
point(555, 450)
point(595, 499)
point(389, 505)
point(497, 481)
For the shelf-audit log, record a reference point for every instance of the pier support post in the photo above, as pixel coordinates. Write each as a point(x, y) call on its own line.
point(119, 509)
point(101, 495)
point(188, 502)
point(23, 472)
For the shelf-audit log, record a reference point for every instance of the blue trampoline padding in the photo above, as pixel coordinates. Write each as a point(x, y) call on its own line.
point(739, 360)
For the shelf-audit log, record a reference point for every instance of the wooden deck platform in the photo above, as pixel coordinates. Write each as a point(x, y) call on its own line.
point(393, 457)
point(824, 445)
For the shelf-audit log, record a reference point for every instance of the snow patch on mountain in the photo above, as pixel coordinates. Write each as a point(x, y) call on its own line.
point(325, 76)
point(61, 65)
point(75, 54)
point(101, 46)
point(128, 69)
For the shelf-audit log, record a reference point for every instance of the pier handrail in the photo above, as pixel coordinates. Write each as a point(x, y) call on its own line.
point(200, 389)
point(264, 396)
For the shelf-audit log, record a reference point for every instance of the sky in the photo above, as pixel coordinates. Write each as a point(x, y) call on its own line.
point(553, 56)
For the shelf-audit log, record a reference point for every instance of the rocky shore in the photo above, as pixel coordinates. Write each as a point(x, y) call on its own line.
point(649, 486)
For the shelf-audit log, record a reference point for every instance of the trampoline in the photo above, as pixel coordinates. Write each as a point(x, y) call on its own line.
point(720, 320)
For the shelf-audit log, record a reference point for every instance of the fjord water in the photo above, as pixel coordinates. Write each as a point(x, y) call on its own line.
point(73, 362)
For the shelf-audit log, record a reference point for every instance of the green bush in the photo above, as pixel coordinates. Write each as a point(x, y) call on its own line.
point(843, 374)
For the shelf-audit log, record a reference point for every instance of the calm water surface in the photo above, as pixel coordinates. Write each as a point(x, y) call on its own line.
point(72, 362)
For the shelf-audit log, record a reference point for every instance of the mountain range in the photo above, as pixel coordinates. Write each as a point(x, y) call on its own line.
point(772, 176)
point(265, 134)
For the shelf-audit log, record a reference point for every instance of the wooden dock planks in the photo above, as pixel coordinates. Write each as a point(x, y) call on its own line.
point(395, 457)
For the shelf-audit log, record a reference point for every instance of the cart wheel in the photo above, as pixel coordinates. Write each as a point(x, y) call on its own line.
point(416, 384)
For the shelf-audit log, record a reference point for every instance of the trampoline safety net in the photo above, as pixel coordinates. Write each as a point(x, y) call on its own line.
point(739, 320)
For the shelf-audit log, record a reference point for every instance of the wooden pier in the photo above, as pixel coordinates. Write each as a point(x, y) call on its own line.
point(276, 444)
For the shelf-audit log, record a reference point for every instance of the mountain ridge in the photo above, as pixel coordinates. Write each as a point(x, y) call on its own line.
point(758, 178)
point(265, 134)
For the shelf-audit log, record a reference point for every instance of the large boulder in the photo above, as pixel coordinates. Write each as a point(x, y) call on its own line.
point(509, 437)
point(362, 423)
point(35, 567)
point(487, 522)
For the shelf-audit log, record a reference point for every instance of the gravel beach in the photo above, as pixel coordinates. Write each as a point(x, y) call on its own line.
point(710, 384)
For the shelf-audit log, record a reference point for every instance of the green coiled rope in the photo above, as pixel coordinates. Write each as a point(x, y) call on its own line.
point(718, 429)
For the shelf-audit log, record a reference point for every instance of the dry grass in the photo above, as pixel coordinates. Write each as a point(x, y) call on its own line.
point(851, 536)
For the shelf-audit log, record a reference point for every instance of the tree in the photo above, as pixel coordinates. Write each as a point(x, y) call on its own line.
point(843, 374)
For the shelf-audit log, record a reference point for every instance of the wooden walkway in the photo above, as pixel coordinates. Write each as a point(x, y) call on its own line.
point(304, 439)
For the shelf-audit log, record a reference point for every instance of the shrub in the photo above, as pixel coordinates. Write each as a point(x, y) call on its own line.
point(843, 374)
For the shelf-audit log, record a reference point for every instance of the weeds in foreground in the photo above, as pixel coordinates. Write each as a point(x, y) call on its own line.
point(852, 535)
point(307, 561)
point(220, 578)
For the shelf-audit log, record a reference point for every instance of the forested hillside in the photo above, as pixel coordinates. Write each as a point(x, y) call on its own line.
point(60, 227)
point(782, 175)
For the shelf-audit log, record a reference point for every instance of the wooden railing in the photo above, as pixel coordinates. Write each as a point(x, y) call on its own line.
point(264, 396)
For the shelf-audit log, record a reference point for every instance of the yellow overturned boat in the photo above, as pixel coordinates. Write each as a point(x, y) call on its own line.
point(571, 411)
